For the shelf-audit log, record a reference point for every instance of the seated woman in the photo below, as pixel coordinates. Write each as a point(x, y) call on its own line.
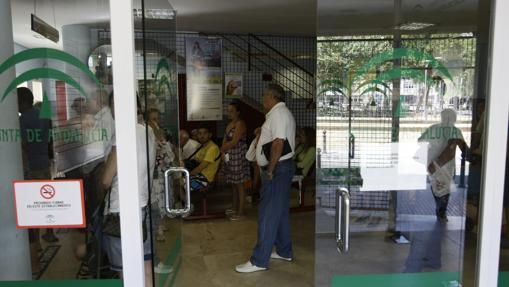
point(305, 153)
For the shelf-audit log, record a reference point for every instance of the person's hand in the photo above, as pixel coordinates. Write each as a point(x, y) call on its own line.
point(270, 175)
point(440, 185)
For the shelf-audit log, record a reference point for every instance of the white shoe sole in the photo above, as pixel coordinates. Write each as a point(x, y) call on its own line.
point(276, 256)
point(248, 269)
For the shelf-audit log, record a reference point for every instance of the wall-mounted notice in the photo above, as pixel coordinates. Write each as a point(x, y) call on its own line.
point(204, 79)
point(49, 204)
point(233, 85)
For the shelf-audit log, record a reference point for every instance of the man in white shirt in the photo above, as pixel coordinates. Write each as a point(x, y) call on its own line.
point(188, 146)
point(274, 155)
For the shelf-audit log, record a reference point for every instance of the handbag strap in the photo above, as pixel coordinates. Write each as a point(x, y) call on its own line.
point(195, 152)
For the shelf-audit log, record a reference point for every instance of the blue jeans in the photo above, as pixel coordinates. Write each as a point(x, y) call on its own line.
point(273, 215)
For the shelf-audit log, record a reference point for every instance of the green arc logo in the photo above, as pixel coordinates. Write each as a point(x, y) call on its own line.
point(45, 73)
point(163, 66)
point(380, 83)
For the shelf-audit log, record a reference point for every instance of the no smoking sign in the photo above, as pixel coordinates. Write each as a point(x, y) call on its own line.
point(47, 191)
point(49, 204)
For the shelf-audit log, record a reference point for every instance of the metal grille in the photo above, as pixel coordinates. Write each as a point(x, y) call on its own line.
point(290, 61)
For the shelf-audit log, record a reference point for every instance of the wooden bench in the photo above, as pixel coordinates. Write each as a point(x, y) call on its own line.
point(204, 213)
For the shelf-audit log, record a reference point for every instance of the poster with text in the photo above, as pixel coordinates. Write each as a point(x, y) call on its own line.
point(204, 79)
point(233, 85)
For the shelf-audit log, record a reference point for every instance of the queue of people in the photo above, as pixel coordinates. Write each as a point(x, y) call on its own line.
point(276, 152)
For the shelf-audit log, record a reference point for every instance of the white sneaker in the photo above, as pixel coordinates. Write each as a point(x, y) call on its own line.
point(274, 255)
point(248, 267)
point(163, 269)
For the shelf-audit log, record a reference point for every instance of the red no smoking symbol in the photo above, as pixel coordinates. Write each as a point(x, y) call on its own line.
point(47, 191)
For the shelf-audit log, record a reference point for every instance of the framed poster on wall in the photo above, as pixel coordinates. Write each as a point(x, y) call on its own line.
point(233, 85)
point(204, 79)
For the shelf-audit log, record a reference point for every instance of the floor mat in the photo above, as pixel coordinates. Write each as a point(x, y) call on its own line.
point(45, 259)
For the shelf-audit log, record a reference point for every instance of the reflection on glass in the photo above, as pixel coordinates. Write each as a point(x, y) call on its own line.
point(66, 132)
point(99, 63)
point(399, 99)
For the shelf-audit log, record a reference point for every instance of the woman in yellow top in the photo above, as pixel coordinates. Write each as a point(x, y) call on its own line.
point(305, 153)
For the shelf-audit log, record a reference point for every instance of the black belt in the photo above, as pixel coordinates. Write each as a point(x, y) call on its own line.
point(264, 168)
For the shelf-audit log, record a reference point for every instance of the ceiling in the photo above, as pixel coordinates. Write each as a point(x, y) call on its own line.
point(338, 17)
point(290, 17)
point(276, 17)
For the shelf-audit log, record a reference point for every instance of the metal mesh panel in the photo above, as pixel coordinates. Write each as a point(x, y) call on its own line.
point(289, 61)
point(372, 120)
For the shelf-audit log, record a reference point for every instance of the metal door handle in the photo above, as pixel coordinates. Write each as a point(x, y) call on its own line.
point(351, 152)
point(169, 192)
point(342, 219)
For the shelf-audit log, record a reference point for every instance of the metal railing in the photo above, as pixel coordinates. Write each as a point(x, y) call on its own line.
point(265, 58)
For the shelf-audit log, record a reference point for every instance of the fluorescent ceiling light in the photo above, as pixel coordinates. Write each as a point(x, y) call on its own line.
point(167, 14)
point(413, 26)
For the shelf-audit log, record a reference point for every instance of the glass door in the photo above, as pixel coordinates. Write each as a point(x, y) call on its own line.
point(156, 67)
point(57, 145)
point(400, 125)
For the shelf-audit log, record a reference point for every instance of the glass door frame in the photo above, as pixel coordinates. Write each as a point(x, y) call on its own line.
point(122, 42)
point(495, 150)
point(122, 28)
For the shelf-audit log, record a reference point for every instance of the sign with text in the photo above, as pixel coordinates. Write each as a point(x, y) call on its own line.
point(204, 79)
point(49, 204)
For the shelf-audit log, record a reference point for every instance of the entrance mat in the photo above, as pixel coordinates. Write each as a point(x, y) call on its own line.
point(63, 283)
point(427, 279)
point(45, 259)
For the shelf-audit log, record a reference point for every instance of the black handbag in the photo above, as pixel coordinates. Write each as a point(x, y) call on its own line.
point(111, 223)
point(266, 149)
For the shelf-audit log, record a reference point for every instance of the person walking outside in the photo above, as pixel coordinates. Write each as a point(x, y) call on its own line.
point(274, 155)
point(236, 166)
point(442, 139)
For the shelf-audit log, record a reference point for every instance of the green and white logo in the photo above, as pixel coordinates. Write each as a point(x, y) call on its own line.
point(360, 80)
point(45, 73)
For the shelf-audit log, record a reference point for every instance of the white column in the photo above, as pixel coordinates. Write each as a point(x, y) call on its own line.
point(15, 254)
point(122, 40)
point(495, 150)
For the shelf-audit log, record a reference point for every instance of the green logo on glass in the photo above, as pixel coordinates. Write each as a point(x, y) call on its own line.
point(45, 73)
point(359, 81)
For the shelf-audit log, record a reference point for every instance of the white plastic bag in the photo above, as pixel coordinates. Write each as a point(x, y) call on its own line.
point(440, 181)
point(251, 152)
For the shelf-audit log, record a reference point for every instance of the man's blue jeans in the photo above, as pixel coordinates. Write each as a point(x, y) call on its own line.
point(273, 215)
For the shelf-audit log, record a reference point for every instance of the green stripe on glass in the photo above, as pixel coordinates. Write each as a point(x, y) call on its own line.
point(174, 252)
point(63, 283)
point(175, 273)
point(170, 260)
point(503, 279)
point(426, 279)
